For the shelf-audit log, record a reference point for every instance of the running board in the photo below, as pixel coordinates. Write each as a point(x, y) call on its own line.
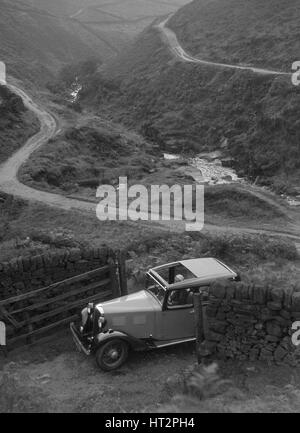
point(158, 345)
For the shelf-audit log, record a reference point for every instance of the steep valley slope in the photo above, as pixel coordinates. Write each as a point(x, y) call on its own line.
point(252, 32)
point(186, 107)
point(17, 124)
point(35, 44)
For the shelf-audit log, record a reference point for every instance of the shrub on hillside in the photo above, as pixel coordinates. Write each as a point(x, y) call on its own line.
point(17, 124)
point(236, 248)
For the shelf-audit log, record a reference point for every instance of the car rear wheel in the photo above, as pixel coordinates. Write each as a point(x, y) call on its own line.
point(112, 354)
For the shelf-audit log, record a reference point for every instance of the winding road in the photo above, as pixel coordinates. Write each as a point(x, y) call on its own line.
point(170, 38)
point(10, 184)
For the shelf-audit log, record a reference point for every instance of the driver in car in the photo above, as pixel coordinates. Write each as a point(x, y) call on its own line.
point(178, 297)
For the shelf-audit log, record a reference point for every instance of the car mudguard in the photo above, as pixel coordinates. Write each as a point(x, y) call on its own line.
point(134, 343)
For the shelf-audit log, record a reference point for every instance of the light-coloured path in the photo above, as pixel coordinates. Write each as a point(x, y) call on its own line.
point(170, 38)
point(9, 182)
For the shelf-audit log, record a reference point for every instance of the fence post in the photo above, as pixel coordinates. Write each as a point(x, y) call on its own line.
point(3, 338)
point(115, 288)
point(31, 338)
point(198, 324)
point(122, 272)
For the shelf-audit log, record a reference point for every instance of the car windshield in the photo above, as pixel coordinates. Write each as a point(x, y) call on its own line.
point(155, 289)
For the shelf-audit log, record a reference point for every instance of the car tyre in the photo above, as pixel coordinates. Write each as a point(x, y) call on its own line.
point(112, 354)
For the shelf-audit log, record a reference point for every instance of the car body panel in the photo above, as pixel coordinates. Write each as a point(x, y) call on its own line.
point(134, 314)
point(135, 343)
point(176, 324)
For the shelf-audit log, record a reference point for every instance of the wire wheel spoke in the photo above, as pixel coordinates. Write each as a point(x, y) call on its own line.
point(112, 354)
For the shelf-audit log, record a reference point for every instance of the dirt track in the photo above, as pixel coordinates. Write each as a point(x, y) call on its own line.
point(9, 182)
point(60, 379)
point(170, 38)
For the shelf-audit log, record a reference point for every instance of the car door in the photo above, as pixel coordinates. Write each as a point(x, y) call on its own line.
point(177, 320)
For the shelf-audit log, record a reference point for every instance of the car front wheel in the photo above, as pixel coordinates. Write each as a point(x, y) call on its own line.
point(112, 354)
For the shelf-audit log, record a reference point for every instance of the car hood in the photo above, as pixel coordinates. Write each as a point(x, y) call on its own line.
point(139, 302)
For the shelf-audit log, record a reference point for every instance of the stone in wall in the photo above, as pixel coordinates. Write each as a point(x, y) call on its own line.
point(23, 274)
point(252, 322)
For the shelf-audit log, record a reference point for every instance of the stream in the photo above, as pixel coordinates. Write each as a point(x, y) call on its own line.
point(207, 169)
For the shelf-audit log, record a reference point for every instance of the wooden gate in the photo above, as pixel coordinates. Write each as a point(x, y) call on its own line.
point(31, 315)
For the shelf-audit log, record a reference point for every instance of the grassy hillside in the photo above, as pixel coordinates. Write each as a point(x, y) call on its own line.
point(63, 7)
point(106, 26)
point(92, 153)
point(98, 152)
point(34, 44)
point(38, 37)
point(262, 33)
point(187, 107)
point(125, 8)
point(16, 123)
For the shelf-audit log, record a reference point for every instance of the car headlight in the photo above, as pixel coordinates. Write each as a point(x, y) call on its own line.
point(84, 316)
point(101, 320)
point(87, 316)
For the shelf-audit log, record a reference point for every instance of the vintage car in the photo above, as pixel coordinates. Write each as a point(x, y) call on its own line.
point(160, 315)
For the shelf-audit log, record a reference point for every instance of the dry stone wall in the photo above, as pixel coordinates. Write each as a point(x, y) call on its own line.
point(24, 274)
point(252, 322)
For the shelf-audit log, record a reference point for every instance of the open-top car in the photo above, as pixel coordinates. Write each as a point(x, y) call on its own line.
point(162, 314)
